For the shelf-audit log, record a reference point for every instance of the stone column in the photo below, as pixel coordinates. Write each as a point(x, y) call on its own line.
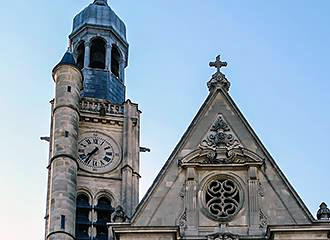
point(130, 167)
point(253, 201)
point(63, 163)
point(108, 57)
point(191, 202)
point(122, 70)
point(87, 54)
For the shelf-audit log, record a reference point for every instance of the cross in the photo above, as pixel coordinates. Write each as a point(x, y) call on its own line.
point(218, 64)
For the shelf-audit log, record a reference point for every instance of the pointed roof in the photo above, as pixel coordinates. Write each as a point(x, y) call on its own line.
point(220, 87)
point(99, 14)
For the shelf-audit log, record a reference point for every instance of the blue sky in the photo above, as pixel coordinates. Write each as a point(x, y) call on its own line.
point(278, 58)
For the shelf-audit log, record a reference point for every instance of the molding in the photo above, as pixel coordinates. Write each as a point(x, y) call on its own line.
point(92, 26)
point(101, 177)
point(98, 119)
point(62, 232)
point(63, 155)
point(68, 106)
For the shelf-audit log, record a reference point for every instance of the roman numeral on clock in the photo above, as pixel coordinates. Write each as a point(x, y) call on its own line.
point(107, 159)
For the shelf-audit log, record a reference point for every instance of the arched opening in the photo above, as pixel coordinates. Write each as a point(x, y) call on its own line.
point(97, 53)
point(80, 53)
point(115, 61)
point(104, 211)
point(82, 217)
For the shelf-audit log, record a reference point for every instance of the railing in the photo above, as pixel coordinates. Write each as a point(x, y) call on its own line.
point(97, 105)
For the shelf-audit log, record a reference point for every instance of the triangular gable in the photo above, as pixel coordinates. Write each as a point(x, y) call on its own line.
point(164, 202)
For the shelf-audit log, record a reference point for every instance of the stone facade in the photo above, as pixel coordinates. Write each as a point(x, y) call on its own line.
point(219, 183)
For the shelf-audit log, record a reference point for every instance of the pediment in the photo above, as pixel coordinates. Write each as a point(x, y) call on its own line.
point(219, 142)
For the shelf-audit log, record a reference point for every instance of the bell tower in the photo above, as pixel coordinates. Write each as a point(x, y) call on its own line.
point(99, 44)
point(93, 170)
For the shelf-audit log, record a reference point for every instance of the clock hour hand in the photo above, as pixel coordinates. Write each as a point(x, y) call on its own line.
point(90, 154)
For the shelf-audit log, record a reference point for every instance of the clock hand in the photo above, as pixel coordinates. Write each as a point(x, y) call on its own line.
point(90, 154)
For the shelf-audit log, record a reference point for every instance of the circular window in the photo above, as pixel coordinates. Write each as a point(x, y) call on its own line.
point(222, 197)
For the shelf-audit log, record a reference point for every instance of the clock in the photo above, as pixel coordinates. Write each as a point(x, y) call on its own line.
point(98, 152)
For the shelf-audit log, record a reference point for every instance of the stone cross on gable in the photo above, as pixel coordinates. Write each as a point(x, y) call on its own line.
point(218, 64)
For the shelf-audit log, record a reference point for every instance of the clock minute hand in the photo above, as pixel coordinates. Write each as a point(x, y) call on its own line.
point(90, 154)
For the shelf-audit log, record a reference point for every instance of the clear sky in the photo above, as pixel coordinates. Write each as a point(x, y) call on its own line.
point(278, 58)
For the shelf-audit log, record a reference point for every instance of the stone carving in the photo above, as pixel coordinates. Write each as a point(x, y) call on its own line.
point(102, 107)
point(220, 135)
point(119, 215)
point(324, 212)
point(218, 79)
point(183, 191)
point(233, 156)
point(222, 198)
point(183, 220)
point(263, 219)
point(223, 236)
point(261, 190)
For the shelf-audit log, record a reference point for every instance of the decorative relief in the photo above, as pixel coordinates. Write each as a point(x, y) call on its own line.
point(183, 191)
point(263, 219)
point(223, 236)
point(183, 221)
point(221, 156)
point(102, 107)
point(220, 135)
point(222, 198)
point(261, 190)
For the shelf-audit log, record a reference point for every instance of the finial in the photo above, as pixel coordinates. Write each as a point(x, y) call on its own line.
point(323, 213)
point(218, 79)
point(101, 2)
point(218, 64)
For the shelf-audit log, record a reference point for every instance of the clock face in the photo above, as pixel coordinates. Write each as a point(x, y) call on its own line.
point(98, 152)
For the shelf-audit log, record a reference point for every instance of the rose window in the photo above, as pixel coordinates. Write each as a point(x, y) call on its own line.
point(222, 197)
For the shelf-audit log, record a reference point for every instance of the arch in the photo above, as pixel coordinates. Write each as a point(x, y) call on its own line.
point(83, 211)
point(103, 210)
point(115, 60)
point(97, 53)
point(80, 53)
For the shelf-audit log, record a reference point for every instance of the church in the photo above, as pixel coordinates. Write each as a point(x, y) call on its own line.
point(219, 183)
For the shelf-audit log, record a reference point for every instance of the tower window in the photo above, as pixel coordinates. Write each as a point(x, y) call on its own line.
point(97, 54)
point(115, 61)
point(82, 217)
point(104, 211)
point(62, 222)
point(81, 55)
point(69, 88)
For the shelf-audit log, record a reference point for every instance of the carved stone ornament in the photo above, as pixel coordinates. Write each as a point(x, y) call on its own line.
point(220, 135)
point(223, 236)
point(119, 215)
point(218, 80)
point(323, 213)
point(221, 156)
point(183, 221)
point(222, 197)
point(263, 219)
